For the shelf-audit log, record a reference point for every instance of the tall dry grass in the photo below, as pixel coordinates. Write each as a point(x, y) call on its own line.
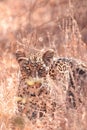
point(63, 36)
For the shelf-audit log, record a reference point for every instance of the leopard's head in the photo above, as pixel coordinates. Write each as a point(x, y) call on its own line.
point(34, 65)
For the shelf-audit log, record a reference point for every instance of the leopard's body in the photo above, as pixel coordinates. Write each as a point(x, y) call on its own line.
point(34, 99)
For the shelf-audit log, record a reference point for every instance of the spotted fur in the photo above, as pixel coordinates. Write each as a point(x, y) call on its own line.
point(33, 92)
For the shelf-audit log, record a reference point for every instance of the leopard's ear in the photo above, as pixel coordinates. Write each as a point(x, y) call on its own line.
point(47, 57)
point(20, 56)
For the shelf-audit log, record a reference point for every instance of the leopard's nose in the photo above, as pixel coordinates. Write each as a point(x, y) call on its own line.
point(34, 74)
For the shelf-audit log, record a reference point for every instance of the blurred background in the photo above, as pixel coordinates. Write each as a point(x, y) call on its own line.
point(59, 22)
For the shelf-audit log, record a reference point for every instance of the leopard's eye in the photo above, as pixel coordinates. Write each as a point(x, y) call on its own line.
point(42, 72)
